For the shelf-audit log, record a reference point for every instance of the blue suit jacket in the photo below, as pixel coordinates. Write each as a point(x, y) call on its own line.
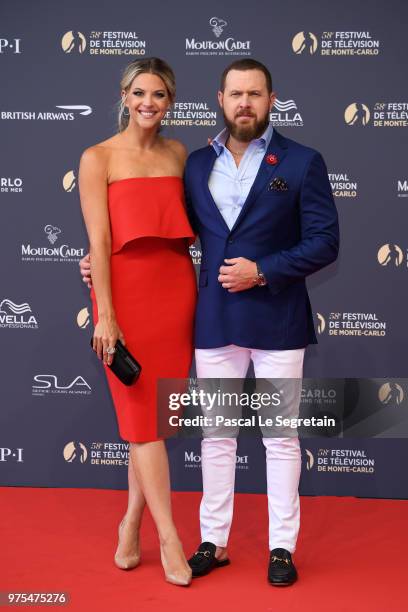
point(291, 234)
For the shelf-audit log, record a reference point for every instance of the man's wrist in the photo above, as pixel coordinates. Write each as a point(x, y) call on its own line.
point(260, 279)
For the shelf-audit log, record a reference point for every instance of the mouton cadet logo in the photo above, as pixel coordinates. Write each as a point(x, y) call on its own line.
point(221, 45)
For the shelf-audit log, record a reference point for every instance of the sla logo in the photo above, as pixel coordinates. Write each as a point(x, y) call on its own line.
point(391, 393)
point(15, 315)
point(57, 254)
point(75, 452)
point(52, 233)
point(10, 453)
point(321, 323)
point(217, 25)
point(390, 253)
point(357, 113)
point(73, 41)
point(69, 181)
point(303, 41)
point(287, 114)
point(48, 383)
point(309, 459)
point(12, 45)
point(83, 318)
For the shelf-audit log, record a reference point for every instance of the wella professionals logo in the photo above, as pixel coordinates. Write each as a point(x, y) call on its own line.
point(56, 254)
point(357, 114)
point(69, 181)
point(73, 42)
point(286, 113)
point(390, 254)
point(14, 315)
point(304, 42)
point(220, 46)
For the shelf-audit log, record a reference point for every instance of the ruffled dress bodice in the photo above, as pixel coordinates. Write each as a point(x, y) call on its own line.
point(142, 207)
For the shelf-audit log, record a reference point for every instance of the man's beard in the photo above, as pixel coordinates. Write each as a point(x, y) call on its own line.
point(246, 133)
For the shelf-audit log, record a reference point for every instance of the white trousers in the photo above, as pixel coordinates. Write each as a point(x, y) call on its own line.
point(218, 454)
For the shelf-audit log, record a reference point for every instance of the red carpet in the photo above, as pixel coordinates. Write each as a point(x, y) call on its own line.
point(351, 555)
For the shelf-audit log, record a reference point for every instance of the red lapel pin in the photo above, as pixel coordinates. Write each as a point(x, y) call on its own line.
point(272, 159)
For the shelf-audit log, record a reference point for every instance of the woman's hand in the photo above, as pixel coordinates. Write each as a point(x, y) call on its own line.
point(106, 333)
point(85, 269)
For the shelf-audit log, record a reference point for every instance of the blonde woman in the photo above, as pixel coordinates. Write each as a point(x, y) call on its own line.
point(144, 289)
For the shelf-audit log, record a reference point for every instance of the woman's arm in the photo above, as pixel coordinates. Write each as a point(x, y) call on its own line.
point(94, 204)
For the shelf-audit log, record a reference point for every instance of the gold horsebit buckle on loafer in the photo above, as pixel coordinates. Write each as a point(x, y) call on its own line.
point(274, 558)
point(205, 553)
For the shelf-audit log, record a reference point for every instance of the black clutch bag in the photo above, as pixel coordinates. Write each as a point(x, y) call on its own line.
point(124, 365)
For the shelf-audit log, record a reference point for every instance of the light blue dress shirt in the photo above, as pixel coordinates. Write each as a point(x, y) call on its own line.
point(230, 185)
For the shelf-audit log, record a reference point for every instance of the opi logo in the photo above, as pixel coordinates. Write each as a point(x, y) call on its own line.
point(12, 45)
point(11, 454)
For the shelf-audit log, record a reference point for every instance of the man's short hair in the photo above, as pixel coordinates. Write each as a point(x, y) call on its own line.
point(247, 64)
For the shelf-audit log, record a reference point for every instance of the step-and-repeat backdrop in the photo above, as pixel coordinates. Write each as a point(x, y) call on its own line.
point(339, 72)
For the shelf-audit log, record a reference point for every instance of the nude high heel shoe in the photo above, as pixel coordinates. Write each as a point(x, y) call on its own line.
point(180, 578)
point(128, 562)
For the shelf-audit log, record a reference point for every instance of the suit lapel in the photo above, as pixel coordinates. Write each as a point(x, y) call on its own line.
point(277, 147)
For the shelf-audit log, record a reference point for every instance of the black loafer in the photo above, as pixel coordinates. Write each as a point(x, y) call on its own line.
point(203, 561)
point(281, 571)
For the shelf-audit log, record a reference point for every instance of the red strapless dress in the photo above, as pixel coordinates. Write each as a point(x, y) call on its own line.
point(153, 291)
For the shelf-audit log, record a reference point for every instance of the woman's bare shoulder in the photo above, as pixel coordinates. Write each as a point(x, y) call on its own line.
point(98, 155)
point(177, 147)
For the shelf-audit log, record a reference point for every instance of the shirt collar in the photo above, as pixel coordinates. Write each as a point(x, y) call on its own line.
point(220, 139)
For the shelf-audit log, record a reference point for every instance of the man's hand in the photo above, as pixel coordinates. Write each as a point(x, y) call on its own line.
point(238, 275)
point(85, 269)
